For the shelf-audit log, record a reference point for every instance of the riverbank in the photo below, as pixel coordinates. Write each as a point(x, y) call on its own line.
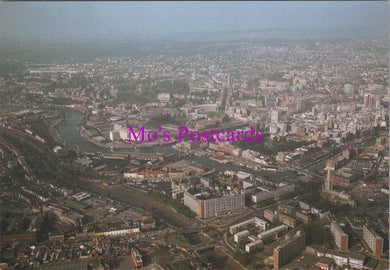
point(53, 129)
point(69, 132)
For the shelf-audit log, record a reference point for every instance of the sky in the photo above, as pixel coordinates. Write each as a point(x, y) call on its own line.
point(119, 20)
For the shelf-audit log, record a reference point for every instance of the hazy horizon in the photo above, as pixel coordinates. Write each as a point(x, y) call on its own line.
point(111, 21)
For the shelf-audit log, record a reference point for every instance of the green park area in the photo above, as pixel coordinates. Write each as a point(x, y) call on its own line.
point(217, 259)
point(128, 93)
point(188, 239)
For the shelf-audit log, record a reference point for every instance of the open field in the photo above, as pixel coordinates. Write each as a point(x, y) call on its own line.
point(220, 260)
point(187, 239)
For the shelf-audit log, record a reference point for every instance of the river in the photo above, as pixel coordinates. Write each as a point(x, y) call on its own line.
point(72, 138)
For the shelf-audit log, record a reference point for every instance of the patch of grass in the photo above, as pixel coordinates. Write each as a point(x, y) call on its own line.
point(356, 247)
point(382, 265)
point(215, 259)
point(137, 97)
point(182, 265)
point(197, 238)
point(212, 233)
point(165, 257)
point(179, 239)
point(188, 239)
point(307, 260)
point(76, 205)
point(149, 94)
